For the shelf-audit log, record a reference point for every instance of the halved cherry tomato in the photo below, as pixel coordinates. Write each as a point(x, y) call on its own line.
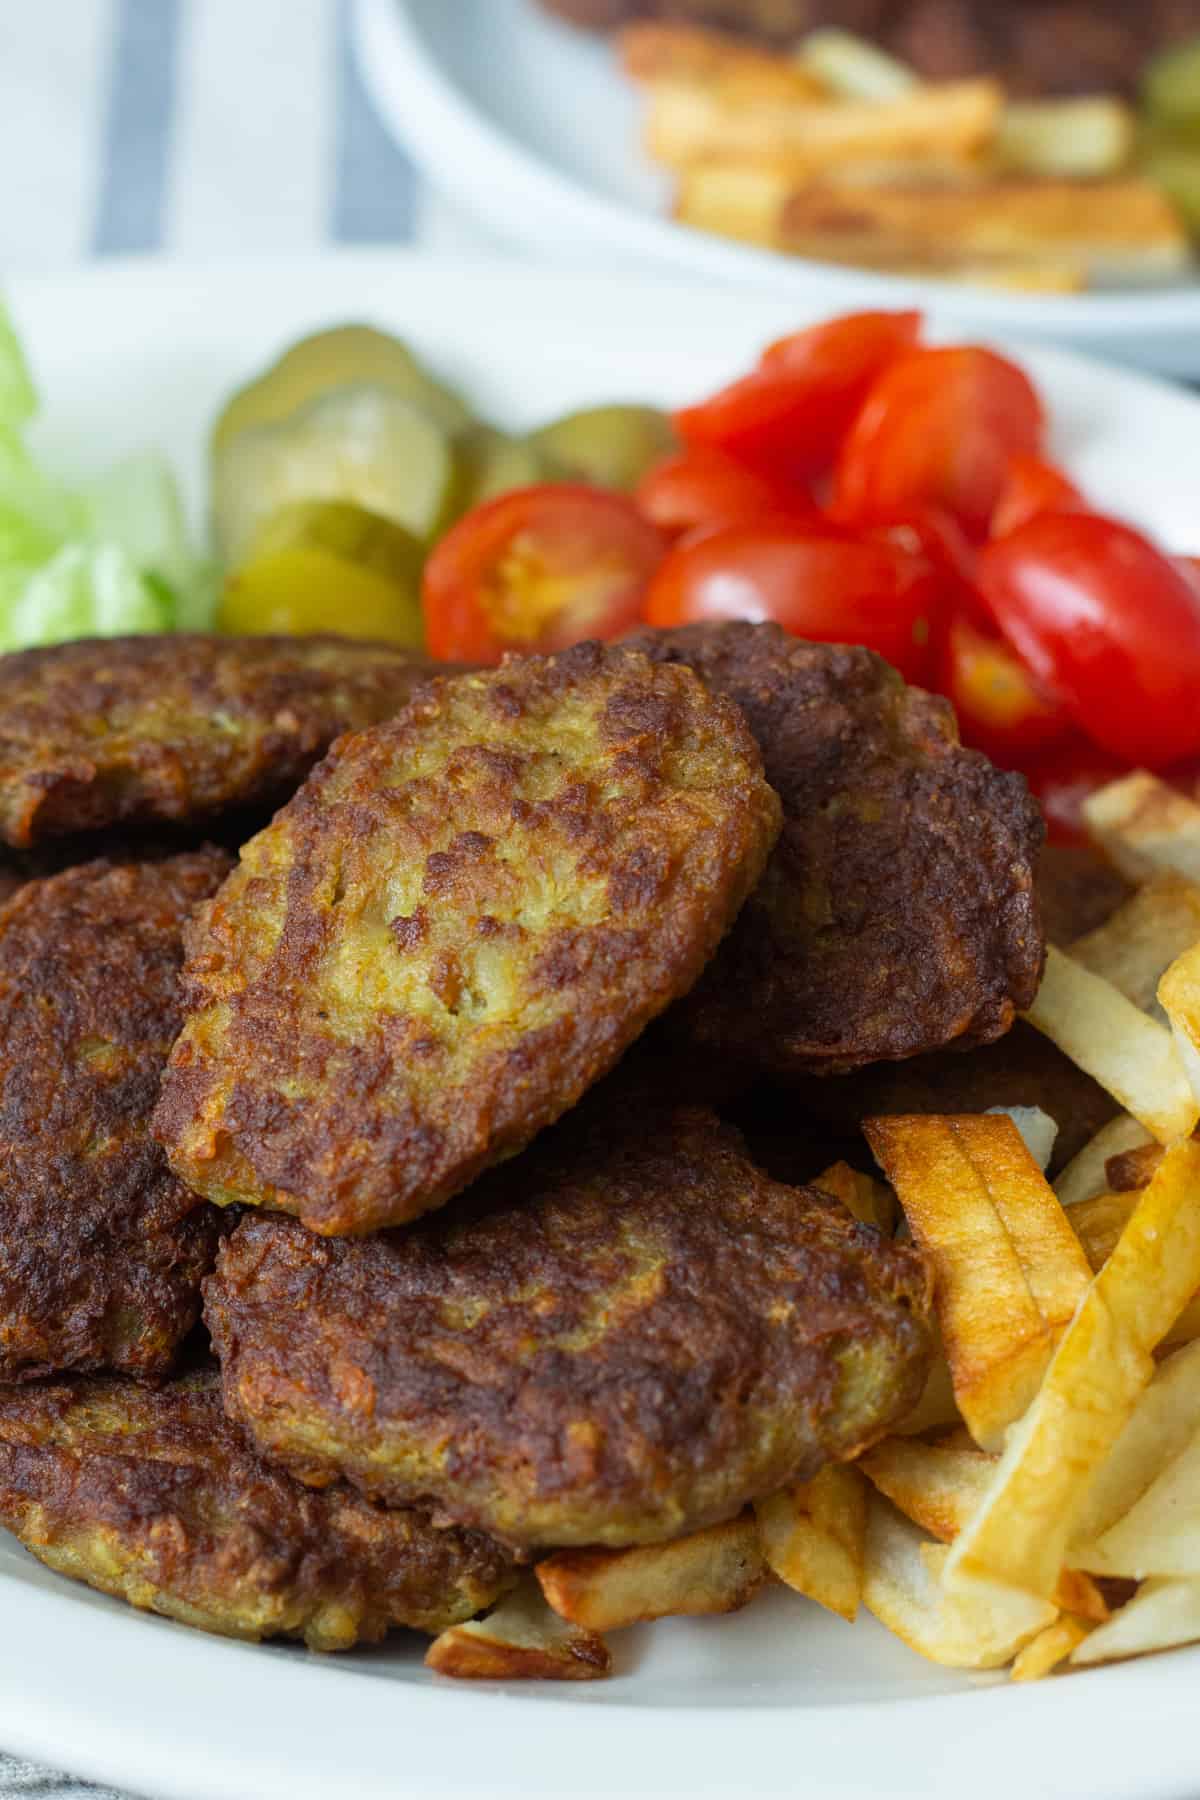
point(792, 412)
point(1064, 779)
point(829, 589)
point(538, 569)
point(1001, 710)
point(1107, 624)
point(1033, 486)
point(702, 487)
point(939, 427)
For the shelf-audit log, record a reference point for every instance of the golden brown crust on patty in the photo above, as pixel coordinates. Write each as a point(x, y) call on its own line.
point(897, 913)
point(457, 926)
point(108, 731)
point(152, 1495)
point(625, 1334)
point(101, 1248)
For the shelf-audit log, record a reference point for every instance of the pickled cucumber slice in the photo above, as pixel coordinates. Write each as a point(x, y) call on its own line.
point(328, 567)
point(494, 463)
point(1171, 87)
point(363, 445)
point(347, 356)
point(612, 446)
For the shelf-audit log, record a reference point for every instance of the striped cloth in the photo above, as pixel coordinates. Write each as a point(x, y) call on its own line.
point(204, 129)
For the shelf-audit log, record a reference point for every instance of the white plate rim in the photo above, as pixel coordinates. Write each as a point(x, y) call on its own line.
point(163, 1710)
point(460, 148)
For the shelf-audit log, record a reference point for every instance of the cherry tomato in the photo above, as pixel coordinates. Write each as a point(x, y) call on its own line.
point(1064, 779)
point(829, 589)
point(701, 487)
point(1108, 625)
point(538, 569)
point(792, 412)
point(1001, 711)
point(1033, 486)
point(939, 427)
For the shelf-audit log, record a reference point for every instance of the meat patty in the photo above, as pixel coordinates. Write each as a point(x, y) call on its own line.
point(111, 731)
point(897, 914)
point(152, 1495)
point(459, 923)
point(625, 1334)
point(102, 1248)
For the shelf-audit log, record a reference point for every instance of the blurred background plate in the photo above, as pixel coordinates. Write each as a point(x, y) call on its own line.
point(529, 127)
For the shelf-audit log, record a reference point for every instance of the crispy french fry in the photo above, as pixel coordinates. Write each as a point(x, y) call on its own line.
point(1179, 992)
point(937, 1405)
point(1100, 1222)
point(688, 55)
point(1143, 824)
point(1164, 1421)
point(1008, 1269)
point(1050, 1648)
point(1036, 1127)
point(974, 1626)
point(520, 1640)
point(736, 200)
point(1161, 1615)
point(1137, 945)
point(1131, 1055)
point(853, 67)
point(1020, 1533)
point(872, 1202)
point(1160, 1534)
point(814, 1537)
point(1081, 138)
point(713, 1571)
point(1131, 1169)
point(1086, 1175)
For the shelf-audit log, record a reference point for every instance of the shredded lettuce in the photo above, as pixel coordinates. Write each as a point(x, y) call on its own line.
point(112, 558)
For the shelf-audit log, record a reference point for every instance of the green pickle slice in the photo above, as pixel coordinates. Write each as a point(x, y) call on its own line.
point(610, 446)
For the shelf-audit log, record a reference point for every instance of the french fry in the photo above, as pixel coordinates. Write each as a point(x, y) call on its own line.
point(1036, 1127)
point(1161, 1615)
point(713, 1571)
point(872, 1202)
point(937, 1405)
point(1008, 1269)
point(974, 1626)
point(1132, 1169)
point(1087, 1173)
point(520, 1640)
point(1120, 230)
point(814, 1537)
point(1100, 1222)
point(1137, 945)
point(687, 55)
point(1143, 825)
point(1020, 1534)
point(1130, 1055)
point(1050, 1648)
point(853, 67)
point(736, 200)
point(1160, 1534)
point(1164, 1421)
point(1081, 138)
point(1179, 992)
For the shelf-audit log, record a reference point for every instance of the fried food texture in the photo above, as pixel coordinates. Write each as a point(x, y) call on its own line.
point(457, 926)
point(152, 1495)
point(625, 1334)
point(102, 1248)
point(109, 731)
point(897, 914)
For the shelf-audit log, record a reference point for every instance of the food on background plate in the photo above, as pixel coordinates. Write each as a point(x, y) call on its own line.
point(152, 1495)
point(823, 971)
point(836, 152)
point(459, 924)
point(102, 1249)
point(627, 1334)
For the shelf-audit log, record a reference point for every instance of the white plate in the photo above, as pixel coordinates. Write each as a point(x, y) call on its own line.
point(781, 1694)
point(529, 125)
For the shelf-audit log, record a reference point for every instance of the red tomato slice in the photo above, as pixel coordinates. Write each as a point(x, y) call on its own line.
point(791, 413)
point(701, 487)
point(830, 589)
point(1106, 623)
point(939, 427)
point(1001, 711)
point(536, 570)
point(1033, 487)
point(1064, 779)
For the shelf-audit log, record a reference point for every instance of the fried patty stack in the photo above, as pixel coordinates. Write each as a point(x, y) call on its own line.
point(432, 1099)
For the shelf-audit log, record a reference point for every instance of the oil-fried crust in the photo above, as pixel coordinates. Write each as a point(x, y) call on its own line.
point(108, 731)
point(152, 1495)
point(897, 914)
point(102, 1248)
point(456, 927)
point(626, 1334)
